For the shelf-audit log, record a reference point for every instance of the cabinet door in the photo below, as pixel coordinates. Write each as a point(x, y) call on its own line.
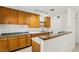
point(22, 41)
point(21, 17)
point(27, 18)
point(3, 45)
point(5, 15)
point(34, 21)
point(13, 17)
point(47, 22)
point(29, 41)
point(13, 43)
point(0, 14)
point(35, 47)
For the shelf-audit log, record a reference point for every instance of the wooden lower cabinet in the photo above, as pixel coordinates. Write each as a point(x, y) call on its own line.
point(13, 43)
point(3, 45)
point(22, 41)
point(35, 47)
point(29, 41)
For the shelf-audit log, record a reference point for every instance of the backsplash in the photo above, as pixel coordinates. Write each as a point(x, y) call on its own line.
point(34, 29)
point(39, 29)
point(8, 28)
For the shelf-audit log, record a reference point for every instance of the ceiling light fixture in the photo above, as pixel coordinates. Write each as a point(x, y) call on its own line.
point(41, 11)
point(52, 9)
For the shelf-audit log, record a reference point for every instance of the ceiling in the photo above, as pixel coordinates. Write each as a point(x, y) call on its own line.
point(45, 10)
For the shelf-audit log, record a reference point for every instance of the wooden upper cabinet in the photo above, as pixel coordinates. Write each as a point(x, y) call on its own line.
point(34, 21)
point(21, 17)
point(13, 17)
point(0, 14)
point(8, 16)
point(47, 22)
point(27, 18)
point(5, 15)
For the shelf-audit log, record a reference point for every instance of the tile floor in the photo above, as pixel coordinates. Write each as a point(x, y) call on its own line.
point(76, 48)
point(29, 49)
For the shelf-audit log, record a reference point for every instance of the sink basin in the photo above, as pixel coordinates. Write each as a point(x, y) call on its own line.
point(60, 32)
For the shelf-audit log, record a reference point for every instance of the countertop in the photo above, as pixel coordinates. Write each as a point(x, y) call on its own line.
point(30, 33)
point(35, 32)
point(51, 35)
point(14, 35)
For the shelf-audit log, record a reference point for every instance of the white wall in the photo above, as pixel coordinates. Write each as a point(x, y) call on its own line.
point(71, 26)
point(59, 24)
point(77, 29)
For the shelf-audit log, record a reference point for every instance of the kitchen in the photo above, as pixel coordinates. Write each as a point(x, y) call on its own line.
point(27, 29)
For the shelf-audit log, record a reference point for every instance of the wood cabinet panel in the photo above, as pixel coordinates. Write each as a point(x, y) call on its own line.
point(29, 41)
point(22, 41)
point(27, 15)
point(46, 21)
point(13, 43)
point(5, 15)
point(35, 47)
point(34, 21)
point(21, 17)
point(13, 17)
point(3, 45)
point(0, 14)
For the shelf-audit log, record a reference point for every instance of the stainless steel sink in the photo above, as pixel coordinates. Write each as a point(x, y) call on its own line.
point(61, 32)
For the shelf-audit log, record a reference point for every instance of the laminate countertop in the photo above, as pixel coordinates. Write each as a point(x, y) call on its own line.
point(51, 35)
point(14, 35)
point(29, 33)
